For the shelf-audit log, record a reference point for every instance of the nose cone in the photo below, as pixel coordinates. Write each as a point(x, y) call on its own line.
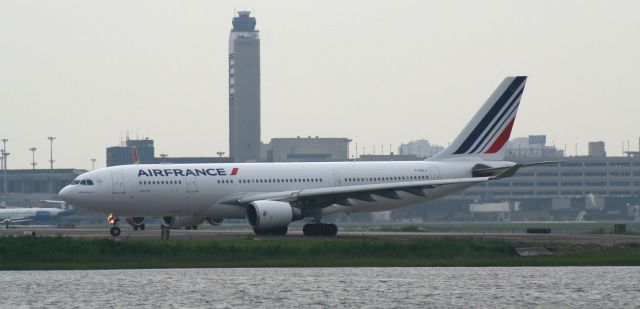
point(65, 194)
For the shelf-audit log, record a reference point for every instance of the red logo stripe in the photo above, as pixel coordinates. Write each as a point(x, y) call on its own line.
point(234, 171)
point(502, 139)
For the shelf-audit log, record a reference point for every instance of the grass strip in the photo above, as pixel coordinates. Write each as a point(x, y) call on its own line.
point(44, 253)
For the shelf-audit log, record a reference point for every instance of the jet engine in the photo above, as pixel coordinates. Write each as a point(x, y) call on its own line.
point(181, 221)
point(214, 221)
point(136, 222)
point(265, 215)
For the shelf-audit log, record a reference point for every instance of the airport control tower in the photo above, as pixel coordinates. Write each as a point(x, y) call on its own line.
point(244, 89)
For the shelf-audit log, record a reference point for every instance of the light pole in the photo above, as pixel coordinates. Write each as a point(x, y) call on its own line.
point(51, 139)
point(220, 153)
point(5, 154)
point(93, 164)
point(33, 157)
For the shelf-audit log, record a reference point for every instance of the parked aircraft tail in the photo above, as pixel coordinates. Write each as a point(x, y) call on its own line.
point(134, 155)
point(486, 135)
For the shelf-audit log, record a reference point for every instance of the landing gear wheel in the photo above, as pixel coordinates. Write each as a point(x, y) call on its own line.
point(329, 229)
point(142, 227)
point(311, 229)
point(279, 231)
point(320, 229)
point(115, 231)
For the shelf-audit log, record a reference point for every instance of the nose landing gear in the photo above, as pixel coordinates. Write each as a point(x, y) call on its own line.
point(113, 220)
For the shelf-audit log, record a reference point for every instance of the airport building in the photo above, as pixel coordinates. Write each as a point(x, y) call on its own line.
point(26, 186)
point(244, 89)
point(592, 187)
point(121, 155)
point(420, 148)
point(310, 149)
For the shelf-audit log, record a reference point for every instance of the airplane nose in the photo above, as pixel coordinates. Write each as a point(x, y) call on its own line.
point(65, 194)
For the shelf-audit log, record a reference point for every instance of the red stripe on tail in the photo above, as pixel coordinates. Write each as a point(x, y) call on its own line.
point(134, 155)
point(502, 139)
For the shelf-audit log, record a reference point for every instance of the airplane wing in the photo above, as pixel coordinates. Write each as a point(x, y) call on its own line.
point(341, 195)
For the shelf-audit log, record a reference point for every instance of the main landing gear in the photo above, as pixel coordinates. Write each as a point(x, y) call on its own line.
point(320, 229)
point(279, 231)
point(113, 220)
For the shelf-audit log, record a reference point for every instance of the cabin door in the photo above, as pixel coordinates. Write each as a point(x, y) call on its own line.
point(192, 183)
point(118, 183)
point(336, 179)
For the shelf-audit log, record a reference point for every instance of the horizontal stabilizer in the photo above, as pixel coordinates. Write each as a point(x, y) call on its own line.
point(505, 172)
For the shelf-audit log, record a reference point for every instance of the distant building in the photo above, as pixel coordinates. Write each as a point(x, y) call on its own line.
point(244, 89)
point(596, 149)
point(311, 149)
point(121, 155)
point(420, 148)
point(533, 146)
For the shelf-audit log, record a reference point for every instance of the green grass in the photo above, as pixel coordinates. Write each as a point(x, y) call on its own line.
point(26, 252)
point(485, 227)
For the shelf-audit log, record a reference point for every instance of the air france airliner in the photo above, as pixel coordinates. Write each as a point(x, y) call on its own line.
point(272, 195)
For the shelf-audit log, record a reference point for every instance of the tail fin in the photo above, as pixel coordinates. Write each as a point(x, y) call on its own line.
point(486, 134)
point(134, 155)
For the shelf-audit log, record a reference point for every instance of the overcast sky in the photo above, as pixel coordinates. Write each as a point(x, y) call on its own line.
point(378, 72)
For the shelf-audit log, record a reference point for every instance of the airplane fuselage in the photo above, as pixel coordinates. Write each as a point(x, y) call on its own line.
point(204, 189)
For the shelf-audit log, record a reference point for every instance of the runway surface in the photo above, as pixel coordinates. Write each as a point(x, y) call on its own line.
point(296, 234)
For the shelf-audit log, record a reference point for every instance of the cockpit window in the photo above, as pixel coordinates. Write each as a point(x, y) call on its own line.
point(84, 182)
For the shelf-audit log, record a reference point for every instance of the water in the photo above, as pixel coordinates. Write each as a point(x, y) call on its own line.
point(602, 287)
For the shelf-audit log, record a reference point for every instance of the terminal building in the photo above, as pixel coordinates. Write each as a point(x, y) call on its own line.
point(592, 187)
point(26, 186)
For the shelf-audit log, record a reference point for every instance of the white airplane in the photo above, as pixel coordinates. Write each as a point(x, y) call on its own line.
point(13, 215)
point(272, 195)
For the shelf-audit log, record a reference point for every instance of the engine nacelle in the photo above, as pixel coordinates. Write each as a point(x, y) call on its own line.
point(265, 215)
point(214, 221)
point(135, 221)
point(180, 221)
